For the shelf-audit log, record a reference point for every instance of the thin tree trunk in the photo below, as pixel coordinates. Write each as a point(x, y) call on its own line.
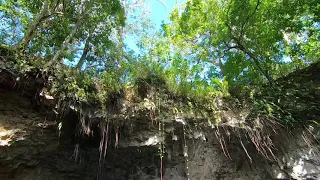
point(239, 46)
point(34, 25)
point(65, 44)
point(121, 48)
point(255, 60)
point(69, 37)
point(84, 55)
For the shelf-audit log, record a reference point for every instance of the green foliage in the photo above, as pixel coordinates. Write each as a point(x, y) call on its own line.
point(74, 85)
point(246, 41)
point(209, 48)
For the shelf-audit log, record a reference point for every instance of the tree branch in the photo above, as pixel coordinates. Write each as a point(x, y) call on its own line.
point(84, 54)
point(255, 60)
point(163, 4)
point(70, 36)
point(241, 47)
point(34, 25)
point(65, 43)
point(229, 47)
point(247, 19)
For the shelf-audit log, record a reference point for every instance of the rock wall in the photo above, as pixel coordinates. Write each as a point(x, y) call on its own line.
point(296, 158)
point(32, 147)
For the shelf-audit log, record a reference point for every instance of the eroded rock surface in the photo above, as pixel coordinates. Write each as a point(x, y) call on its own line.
point(32, 147)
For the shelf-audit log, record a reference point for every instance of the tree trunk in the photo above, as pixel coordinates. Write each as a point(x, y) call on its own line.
point(65, 43)
point(84, 55)
point(120, 55)
point(34, 25)
point(70, 36)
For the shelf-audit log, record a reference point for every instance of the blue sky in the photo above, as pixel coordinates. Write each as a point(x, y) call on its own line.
point(158, 14)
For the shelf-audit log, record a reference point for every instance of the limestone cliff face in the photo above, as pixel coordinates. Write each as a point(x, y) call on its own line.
point(32, 147)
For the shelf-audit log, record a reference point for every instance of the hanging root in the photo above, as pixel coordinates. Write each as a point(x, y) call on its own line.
point(76, 154)
point(260, 138)
point(104, 131)
point(117, 136)
point(244, 148)
point(222, 143)
point(185, 149)
point(85, 126)
point(161, 134)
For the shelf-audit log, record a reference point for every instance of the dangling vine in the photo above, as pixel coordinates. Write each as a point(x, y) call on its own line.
point(161, 135)
point(185, 151)
point(104, 131)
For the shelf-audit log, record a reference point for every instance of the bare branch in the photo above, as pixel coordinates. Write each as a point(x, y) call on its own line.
point(128, 7)
point(163, 4)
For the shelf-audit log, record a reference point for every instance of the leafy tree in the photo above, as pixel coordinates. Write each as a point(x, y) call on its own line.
point(56, 28)
point(244, 40)
point(208, 46)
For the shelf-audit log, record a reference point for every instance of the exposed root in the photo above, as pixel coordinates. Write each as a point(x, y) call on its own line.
point(246, 151)
point(104, 131)
point(222, 144)
point(185, 149)
point(76, 154)
point(260, 137)
point(117, 136)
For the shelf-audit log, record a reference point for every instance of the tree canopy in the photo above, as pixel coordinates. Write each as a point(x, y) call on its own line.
point(247, 41)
